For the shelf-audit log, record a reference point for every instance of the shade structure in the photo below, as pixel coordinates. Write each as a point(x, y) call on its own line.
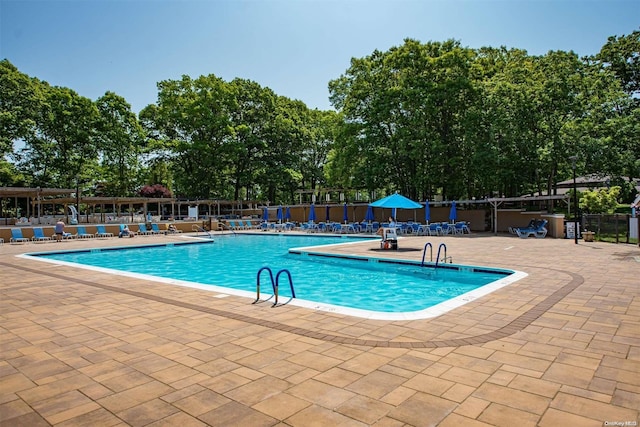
point(279, 214)
point(453, 212)
point(327, 216)
point(345, 213)
point(369, 215)
point(287, 214)
point(265, 214)
point(427, 212)
point(312, 213)
point(396, 201)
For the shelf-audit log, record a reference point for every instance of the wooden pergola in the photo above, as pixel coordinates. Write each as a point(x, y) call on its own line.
point(36, 197)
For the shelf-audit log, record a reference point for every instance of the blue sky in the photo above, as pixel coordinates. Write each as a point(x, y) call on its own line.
point(295, 47)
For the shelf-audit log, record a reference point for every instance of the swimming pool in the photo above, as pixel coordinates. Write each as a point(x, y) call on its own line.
point(367, 287)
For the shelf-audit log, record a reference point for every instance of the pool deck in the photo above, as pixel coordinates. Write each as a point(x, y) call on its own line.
point(558, 347)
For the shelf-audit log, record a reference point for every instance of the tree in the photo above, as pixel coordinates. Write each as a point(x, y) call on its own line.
point(600, 201)
point(622, 55)
point(120, 140)
point(62, 150)
point(154, 191)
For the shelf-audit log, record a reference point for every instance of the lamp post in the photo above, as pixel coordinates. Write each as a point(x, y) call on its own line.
point(575, 199)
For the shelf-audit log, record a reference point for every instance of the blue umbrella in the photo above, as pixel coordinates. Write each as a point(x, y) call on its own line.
point(312, 213)
point(345, 214)
point(453, 213)
point(369, 215)
point(287, 214)
point(427, 212)
point(265, 215)
point(396, 201)
point(279, 216)
point(328, 218)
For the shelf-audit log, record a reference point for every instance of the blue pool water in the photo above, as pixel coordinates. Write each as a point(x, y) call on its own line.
point(233, 262)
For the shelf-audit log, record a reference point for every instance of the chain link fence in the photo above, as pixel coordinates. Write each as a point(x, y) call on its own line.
point(611, 228)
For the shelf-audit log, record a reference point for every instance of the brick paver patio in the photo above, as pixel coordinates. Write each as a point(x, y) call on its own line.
point(559, 347)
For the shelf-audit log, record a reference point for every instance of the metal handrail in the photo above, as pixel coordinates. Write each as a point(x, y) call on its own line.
point(293, 293)
point(273, 284)
point(424, 253)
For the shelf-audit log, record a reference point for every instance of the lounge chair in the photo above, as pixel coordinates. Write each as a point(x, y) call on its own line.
point(461, 228)
point(539, 231)
point(102, 231)
point(68, 236)
point(434, 229)
point(17, 237)
point(156, 229)
point(532, 224)
point(38, 235)
point(82, 233)
point(447, 228)
point(125, 231)
point(142, 229)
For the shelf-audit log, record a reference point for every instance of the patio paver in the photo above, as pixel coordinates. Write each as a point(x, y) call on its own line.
point(560, 346)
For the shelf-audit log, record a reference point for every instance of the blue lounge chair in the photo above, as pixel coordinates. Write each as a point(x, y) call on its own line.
point(38, 235)
point(435, 229)
point(156, 229)
point(17, 237)
point(142, 229)
point(539, 231)
point(102, 231)
point(461, 228)
point(82, 233)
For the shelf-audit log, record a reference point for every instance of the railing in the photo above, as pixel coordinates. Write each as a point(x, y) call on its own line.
point(424, 252)
point(198, 229)
point(274, 284)
point(438, 259)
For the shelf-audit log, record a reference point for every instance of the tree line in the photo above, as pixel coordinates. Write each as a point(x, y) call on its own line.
point(425, 119)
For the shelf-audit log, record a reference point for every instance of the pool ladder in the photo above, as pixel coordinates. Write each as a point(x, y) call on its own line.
point(197, 229)
point(274, 284)
point(438, 259)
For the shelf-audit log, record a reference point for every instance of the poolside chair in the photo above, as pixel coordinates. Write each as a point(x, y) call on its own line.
point(68, 236)
point(82, 233)
point(102, 231)
point(447, 228)
point(461, 228)
point(532, 224)
point(539, 231)
point(38, 235)
point(156, 229)
point(17, 237)
point(142, 229)
point(434, 229)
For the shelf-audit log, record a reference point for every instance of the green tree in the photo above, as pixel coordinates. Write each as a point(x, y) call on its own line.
point(600, 201)
point(62, 150)
point(120, 140)
point(189, 127)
